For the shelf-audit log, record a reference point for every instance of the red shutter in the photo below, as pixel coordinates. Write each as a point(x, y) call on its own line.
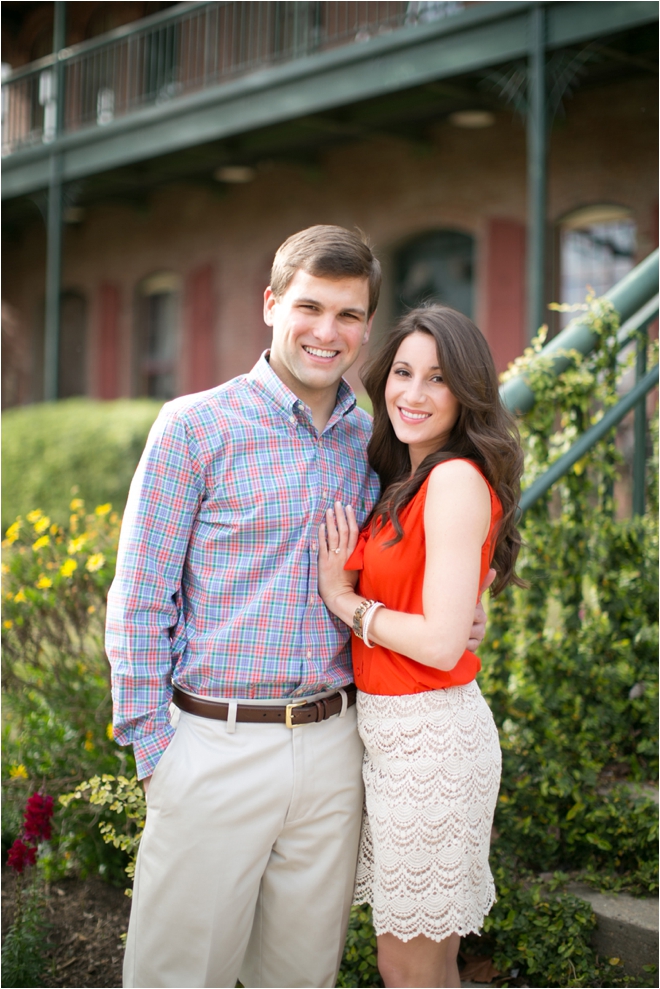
point(109, 341)
point(504, 324)
point(198, 343)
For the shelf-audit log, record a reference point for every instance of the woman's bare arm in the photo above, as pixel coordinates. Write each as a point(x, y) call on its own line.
point(456, 520)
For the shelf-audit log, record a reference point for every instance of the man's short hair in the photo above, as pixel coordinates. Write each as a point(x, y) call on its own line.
point(326, 252)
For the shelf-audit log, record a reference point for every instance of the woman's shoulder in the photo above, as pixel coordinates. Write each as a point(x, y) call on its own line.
point(458, 483)
point(457, 471)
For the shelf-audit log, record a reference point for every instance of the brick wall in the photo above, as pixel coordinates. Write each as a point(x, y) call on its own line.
point(221, 242)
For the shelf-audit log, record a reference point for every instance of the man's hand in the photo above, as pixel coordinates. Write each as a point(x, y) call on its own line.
point(147, 780)
point(478, 629)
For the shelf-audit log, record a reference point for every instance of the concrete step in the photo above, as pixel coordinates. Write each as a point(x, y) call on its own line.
point(627, 927)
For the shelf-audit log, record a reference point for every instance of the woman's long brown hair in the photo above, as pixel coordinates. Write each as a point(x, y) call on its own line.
point(485, 432)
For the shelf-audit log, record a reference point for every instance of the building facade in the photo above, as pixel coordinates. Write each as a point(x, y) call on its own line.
point(170, 217)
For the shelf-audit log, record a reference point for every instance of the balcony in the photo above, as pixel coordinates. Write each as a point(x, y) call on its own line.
point(200, 46)
point(203, 72)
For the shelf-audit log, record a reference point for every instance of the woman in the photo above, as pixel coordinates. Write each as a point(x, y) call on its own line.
point(449, 462)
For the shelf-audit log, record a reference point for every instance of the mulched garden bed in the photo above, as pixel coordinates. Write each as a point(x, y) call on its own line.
point(85, 920)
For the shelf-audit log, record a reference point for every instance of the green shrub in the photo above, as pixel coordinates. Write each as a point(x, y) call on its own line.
point(546, 935)
point(51, 447)
point(570, 664)
point(359, 966)
point(57, 707)
point(125, 800)
point(24, 948)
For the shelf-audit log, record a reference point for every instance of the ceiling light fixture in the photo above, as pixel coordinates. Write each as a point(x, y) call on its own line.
point(74, 214)
point(472, 119)
point(235, 174)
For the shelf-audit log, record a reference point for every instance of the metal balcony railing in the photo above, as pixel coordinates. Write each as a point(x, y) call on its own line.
point(187, 49)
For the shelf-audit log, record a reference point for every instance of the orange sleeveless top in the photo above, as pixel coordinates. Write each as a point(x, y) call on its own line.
point(395, 576)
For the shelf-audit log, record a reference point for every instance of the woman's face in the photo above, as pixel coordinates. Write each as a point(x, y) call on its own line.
point(421, 408)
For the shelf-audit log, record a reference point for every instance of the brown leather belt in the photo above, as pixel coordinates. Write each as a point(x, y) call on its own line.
point(293, 714)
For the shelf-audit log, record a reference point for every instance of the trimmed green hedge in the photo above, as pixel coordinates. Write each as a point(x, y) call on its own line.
point(80, 444)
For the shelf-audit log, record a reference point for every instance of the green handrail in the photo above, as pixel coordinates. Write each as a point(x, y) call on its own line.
point(610, 419)
point(627, 296)
point(636, 299)
point(637, 322)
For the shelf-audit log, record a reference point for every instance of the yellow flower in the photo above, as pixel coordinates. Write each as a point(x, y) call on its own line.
point(43, 582)
point(102, 509)
point(42, 524)
point(91, 609)
point(5, 568)
point(40, 542)
point(8, 624)
point(76, 545)
point(12, 531)
point(54, 529)
point(68, 567)
point(20, 597)
point(95, 562)
point(34, 516)
point(73, 523)
point(89, 741)
point(18, 772)
point(109, 732)
point(77, 504)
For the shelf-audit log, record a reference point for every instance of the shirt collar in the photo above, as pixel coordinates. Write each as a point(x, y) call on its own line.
point(265, 379)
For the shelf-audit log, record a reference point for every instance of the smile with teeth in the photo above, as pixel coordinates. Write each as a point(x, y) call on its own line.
point(317, 352)
point(413, 416)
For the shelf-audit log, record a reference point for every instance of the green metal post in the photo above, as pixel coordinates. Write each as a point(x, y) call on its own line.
point(639, 455)
point(537, 132)
point(54, 229)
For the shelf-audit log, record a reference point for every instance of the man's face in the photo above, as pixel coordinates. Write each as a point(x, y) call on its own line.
point(319, 325)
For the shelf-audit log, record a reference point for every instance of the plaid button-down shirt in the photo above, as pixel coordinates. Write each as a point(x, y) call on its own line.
point(216, 582)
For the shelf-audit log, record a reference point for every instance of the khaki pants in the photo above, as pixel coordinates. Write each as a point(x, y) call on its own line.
point(247, 862)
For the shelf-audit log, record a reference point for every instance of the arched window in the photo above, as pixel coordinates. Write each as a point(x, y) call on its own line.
point(435, 267)
point(71, 348)
point(597, 246)
point(157, 335)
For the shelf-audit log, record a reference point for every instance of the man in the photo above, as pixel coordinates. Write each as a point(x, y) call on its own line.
point(254, 796)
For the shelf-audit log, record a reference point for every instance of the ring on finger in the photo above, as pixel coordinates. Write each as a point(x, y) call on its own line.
point(336, 550)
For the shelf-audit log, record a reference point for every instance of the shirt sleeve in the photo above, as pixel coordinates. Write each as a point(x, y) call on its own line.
point(145, 600)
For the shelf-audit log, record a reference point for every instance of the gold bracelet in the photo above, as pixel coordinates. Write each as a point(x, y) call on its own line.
point(358, 616)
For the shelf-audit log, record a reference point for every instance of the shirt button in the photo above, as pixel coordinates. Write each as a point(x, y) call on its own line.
point(309, 654)
point(292, 418)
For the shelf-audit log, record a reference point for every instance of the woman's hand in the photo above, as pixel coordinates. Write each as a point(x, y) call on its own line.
point(337, 540)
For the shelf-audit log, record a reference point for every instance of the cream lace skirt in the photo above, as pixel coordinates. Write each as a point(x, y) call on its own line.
point(431, 773)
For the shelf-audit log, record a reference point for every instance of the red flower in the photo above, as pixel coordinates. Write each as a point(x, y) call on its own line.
point(21, 855)
point(38, 812)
